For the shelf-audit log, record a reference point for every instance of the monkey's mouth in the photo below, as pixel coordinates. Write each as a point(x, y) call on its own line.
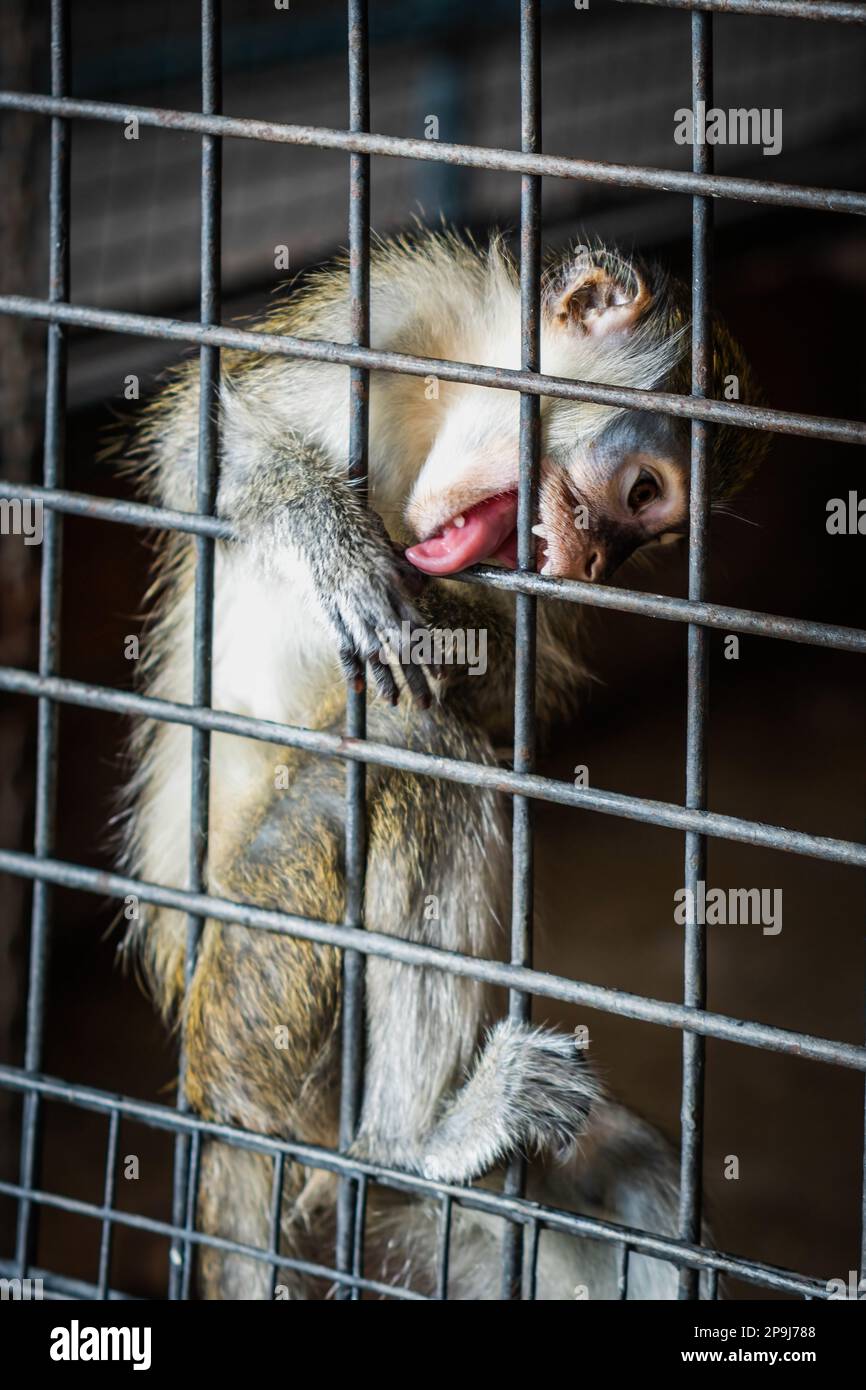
point(485, 532)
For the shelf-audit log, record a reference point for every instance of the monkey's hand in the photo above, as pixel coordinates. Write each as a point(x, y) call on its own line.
point(365, 588)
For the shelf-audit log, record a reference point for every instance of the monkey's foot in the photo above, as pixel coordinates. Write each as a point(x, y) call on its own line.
point(531, 1090)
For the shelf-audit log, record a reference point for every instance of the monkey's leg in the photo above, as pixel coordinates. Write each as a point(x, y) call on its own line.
point(261, 1024)
point(623, 1171)
point(234, 1185)
point(438, 872)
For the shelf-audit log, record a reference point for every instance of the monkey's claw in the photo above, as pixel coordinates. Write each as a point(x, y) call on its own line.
point(376, 627)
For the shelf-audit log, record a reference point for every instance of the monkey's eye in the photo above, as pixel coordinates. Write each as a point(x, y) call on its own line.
point(644, 491)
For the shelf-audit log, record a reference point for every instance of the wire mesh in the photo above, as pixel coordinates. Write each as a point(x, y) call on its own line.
point(524, 1220)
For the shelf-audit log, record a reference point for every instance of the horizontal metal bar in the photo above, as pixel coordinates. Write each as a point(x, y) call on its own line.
point(118, 510)
point(58, 1286)
point(137, 1222)
point(441, 152)
point(537, 982)
point(838, 11)
point(163, 1117)
point(472, 374)
point(830, 635)
point(662, 813)
point(715, 615)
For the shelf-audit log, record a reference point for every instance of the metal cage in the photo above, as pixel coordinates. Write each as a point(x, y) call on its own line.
point(522, 1219)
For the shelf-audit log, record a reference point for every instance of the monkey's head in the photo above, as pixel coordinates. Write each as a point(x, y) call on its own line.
point(611, 481)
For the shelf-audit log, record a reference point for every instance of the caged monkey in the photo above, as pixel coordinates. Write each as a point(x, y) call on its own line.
point(314, 589)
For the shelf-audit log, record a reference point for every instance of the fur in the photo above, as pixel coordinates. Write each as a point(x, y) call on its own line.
point(307, 592)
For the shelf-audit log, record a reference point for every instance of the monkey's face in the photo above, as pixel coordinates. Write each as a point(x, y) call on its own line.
point(602, 501)
point(608, 483)
point(598, 502)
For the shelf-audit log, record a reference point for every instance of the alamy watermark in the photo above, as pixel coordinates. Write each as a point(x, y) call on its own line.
point(846, 516)
point(21, 1290)
point(77, 1343)
point(853, 1290)
point(436, 647)
point(748, 907)
point(22, 517)
point(738, 126)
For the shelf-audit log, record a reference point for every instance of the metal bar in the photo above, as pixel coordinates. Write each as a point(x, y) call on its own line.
point(501, 378)
point(821, 10)
point(276, 1217)
point(443, 1261)
point(57, 1286)
point(352, 1005)
point(623, 1259)
point(359, 1228)
point(670, 609)
point(440, 152)
point(615, 1001)
point(520, 1005)
point(474, 1198)
point(564, 590)
point(530, 1264)
point(695, 947)
point(184, 1198)
point(193, 1173)
point(661, 813)
point(54, 458)
point(105, 1240)
point(137, 1222)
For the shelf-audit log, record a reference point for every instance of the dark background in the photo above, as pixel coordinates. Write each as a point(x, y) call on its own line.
point(786, 722)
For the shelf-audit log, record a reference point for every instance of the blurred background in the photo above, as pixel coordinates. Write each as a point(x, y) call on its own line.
point(786, 722)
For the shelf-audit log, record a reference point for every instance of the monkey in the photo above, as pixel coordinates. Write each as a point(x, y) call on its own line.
point(314, 588)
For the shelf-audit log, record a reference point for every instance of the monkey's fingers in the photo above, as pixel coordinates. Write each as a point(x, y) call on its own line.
point(347, 652)
point(383, 678)
point(412, 668)
point(426, 671)
point(417, 683)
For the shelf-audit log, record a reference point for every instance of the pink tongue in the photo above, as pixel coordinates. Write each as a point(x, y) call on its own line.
point(486, 528)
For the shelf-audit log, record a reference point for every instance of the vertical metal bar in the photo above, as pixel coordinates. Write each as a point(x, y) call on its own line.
point(713, 1285)
point(108, 1204)
point(695, 962)
point(352, 1077)
point(524, 630)
point(530, 1270)
point(49, 629)
point(193, 1171)
point(622, 1271)
point(206, 487)
point(360, 1220)
point(276, 1214)
point(444, 1258)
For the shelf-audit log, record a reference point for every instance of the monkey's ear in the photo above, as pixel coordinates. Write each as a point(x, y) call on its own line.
point(595, 296)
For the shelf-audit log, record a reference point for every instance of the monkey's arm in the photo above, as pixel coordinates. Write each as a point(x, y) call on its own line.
point(294, 511)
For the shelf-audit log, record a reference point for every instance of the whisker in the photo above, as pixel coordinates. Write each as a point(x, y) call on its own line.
point(722, 509)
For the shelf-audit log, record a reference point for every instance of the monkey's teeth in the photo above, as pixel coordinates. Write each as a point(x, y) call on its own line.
point(459, 521)
point(545, 569)
point(547, 554)
point(540, 530)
